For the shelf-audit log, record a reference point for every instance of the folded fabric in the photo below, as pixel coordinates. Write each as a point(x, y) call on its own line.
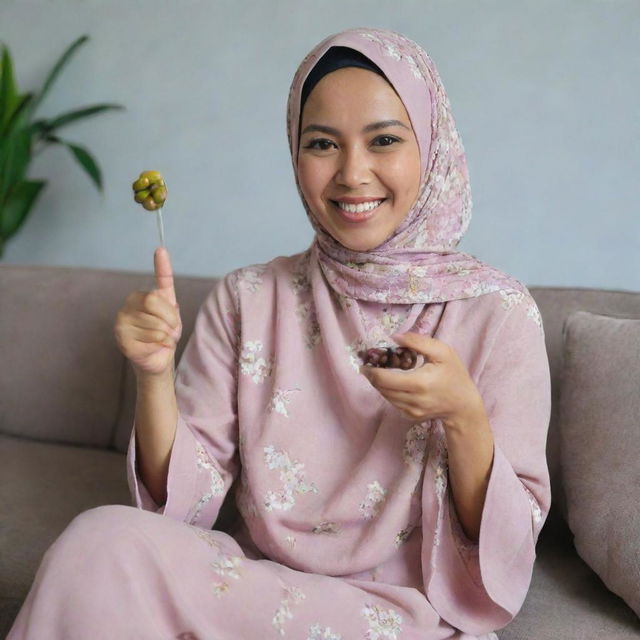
point(599, 444)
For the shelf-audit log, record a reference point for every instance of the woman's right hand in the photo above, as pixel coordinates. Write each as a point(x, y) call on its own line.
point(148, 325)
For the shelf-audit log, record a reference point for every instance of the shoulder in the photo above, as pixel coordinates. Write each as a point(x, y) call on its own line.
point(504, 300)
point(262, 277)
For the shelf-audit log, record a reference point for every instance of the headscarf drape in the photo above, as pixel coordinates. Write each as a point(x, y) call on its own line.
point(418, 262)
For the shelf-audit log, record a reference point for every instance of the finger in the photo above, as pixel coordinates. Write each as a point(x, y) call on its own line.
point(150, 336)
point(432, 348)
point(164, 274)
point(148, 321)
point(391, 380)
point(156, 304)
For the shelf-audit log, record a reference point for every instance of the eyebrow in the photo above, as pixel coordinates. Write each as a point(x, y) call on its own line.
point(383, 124)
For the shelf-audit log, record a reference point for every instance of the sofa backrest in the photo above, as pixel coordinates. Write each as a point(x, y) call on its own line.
point(63, 378)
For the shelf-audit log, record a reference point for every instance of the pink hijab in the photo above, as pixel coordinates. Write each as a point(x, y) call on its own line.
point(417, 264)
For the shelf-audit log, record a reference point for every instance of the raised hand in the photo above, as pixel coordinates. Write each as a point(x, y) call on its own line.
point(148, 325)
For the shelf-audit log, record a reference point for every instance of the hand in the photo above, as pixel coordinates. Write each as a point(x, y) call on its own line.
point(439, 388)
point(148, 325)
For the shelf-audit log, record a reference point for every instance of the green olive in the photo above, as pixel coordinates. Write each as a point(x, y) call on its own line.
point(141, 183)
point(149, 204)
point(139, 196)
point(153, 176)
point(159, 195)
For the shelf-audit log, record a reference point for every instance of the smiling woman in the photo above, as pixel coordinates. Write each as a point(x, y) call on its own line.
point(374, 503)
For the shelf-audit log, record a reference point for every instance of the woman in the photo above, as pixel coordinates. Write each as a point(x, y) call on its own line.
point(375, 503)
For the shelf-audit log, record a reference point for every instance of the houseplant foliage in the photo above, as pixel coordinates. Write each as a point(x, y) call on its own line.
point(22, 137)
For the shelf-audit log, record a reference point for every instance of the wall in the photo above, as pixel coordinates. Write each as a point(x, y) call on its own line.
point(544, 94)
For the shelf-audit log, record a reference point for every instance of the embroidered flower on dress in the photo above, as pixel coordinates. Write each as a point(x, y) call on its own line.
point(376, 495)
point(402, 537)
point(216, 487)
point(252, 365)
point(415, 444)
point(534, 314)
point(250, 278)
point(292, 477)
point(316, 632)
point(536, 512)
point(280, 400)
point(225, 564)
point(511, 298)
point(284, 613)
point(384, 624)
point(326, 527)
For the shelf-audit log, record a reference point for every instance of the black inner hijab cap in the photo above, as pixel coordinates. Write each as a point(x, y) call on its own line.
point(335, 58)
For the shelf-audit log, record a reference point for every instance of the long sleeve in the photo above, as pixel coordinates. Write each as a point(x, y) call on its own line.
point(479, 587)
point(204, 460)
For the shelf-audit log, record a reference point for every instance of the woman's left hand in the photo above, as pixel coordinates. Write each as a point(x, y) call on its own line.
point(440, 388)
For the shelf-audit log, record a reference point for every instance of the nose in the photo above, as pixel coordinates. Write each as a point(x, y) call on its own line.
point(353, 168)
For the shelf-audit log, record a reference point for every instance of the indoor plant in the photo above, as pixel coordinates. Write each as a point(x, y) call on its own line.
point(21, 138)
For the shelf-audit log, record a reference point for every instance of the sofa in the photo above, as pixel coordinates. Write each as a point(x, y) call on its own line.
point(67, 399)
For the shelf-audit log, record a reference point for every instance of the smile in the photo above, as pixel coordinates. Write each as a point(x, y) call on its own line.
point(358, 208)
point(356, 212)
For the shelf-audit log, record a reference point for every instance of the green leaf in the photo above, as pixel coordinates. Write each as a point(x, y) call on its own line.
point(85, 159)
point(15, 209)
point(8, 90)
point(15, 121)
point(15, 156)
point(64, 59)
point(77, 114)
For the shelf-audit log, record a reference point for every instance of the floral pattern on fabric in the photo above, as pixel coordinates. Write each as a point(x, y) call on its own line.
point(384, 624)
point(390, 49)
point(305, 309)
point(316, 632)
point(225, 565)
point(415, 444)
point(216, 484)
point(293, 596)
point(536, 512)
point(292, 477)
point(253, 365)
point(280, 399)
point(326, 527)
point(250, 278)
point(402, 537)
point(376, 495)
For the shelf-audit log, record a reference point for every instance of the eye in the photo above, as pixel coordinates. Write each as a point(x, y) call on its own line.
point(390, 139)
point(313, 144)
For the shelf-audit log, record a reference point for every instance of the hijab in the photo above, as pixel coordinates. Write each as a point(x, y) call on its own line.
point(417, 263)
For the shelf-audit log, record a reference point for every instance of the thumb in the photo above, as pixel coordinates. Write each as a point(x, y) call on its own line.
point(430, 348)
point(164, 274)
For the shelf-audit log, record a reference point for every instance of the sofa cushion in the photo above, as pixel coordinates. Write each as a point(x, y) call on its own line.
point(43, 487)
point(599, 444)
point(566, 599)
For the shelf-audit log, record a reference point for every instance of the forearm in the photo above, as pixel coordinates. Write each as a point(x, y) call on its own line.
point(155, 427)
point(470, 450)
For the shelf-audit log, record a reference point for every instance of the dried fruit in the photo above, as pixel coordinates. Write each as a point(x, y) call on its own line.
point(150, 190)
point(390, 358)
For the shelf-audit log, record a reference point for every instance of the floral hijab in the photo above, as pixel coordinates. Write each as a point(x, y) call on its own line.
point(417, 264)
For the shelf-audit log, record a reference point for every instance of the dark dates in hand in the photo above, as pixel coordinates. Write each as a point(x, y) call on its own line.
point(390, 358)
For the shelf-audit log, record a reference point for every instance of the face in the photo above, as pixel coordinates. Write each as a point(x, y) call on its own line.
point(358, 172)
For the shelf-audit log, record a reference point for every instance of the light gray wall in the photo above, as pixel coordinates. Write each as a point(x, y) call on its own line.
point(545, 94)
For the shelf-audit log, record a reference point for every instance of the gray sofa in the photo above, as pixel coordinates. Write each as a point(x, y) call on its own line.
point(66, 407)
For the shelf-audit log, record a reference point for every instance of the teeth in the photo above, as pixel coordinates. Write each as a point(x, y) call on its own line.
point(359, 208)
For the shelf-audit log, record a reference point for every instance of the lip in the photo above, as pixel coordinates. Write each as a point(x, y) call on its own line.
point(356, 217)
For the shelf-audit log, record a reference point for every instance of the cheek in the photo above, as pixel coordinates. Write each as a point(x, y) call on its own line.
point(309, 177)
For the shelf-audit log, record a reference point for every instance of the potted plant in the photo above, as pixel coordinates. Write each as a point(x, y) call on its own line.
point(21, 138)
